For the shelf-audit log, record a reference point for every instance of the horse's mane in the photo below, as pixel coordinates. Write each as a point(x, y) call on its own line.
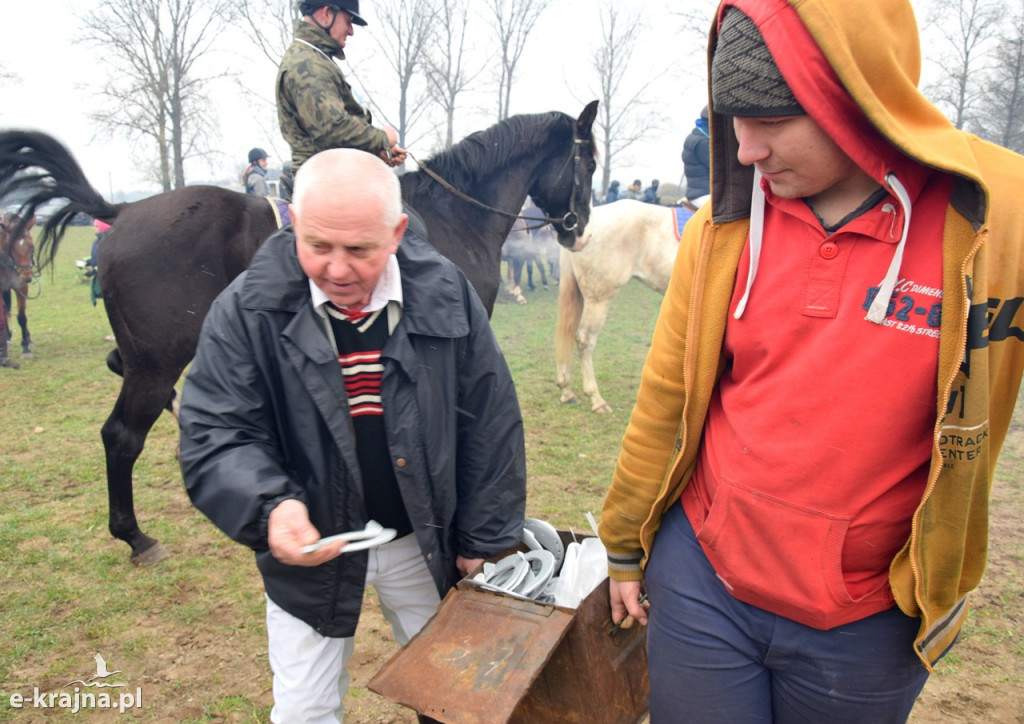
point(481, 153)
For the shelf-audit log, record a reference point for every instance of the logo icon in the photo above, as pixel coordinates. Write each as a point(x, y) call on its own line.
point(93, 696)
point(101, 673)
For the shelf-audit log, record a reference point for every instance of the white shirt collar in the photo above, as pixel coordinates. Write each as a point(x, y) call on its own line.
point(388, 289)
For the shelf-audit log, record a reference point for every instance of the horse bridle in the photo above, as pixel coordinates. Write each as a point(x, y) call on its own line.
point(569, 221)
point(13, 265)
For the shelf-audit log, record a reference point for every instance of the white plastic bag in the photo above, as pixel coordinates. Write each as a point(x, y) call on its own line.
point(584, 567)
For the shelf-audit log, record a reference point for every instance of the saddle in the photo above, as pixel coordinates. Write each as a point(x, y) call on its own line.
point(682, 214)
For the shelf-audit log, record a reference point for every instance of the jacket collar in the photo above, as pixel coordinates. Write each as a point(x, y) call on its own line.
point(433, 299)
point(388, 289)
point(311, 34)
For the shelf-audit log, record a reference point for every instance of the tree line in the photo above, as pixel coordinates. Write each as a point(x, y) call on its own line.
point(439, 53)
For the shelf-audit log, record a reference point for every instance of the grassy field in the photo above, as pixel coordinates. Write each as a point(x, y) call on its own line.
point(189, 632)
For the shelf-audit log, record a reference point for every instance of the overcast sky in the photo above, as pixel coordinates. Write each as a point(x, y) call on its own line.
point(57, 75)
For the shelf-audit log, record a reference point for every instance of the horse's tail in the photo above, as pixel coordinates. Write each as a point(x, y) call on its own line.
point(35, 168)
point(570, 309)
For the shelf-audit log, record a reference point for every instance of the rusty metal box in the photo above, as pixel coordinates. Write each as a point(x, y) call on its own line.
point(489, 658)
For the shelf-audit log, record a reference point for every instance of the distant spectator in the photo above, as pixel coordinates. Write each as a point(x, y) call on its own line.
point(651, 193)
point(92, 265)
point(613, 193)
point(255, 177)
point(697, 161)
point(633, 191)
point(101, 228)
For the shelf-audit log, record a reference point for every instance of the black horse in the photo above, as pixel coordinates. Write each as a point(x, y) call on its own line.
point(167, 257)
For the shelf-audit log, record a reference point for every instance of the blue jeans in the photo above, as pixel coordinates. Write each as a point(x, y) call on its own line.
point(713, 658)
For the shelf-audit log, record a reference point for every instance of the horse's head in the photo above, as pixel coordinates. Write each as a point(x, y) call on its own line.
point(563, 188)
point(17, 250)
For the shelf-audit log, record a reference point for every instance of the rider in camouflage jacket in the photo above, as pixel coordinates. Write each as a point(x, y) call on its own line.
point(315, 105)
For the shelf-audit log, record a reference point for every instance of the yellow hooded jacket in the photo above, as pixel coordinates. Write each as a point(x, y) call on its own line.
point(981, 348)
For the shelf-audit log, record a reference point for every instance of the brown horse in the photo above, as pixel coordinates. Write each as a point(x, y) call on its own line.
point(166, 257)
point(17, 256)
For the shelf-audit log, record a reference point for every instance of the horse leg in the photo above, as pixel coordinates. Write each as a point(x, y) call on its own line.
point(509, 276)
point(5, 361)
point(570, 306)
point(26, 338)
point(515, 274)
point(116, 365)
point(7, 313)
point(595, 314)
point(508, 273)
point(540, 268)
point(138, 406)
point(529, 274)
point(563, 378)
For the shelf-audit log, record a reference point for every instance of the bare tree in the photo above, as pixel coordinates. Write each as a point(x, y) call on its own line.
point(155, 89)
point(1001, 116)
point(445, 64)
point(966, 26)
point(270, 24)
point(696, 17)
point(512, 22)
point(408, 27)
point(624, 116)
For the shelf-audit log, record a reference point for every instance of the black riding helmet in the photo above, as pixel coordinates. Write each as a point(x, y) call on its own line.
point(308, 7)
point(256, 154)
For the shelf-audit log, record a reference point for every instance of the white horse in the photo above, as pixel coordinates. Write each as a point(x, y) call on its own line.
point(624, 239)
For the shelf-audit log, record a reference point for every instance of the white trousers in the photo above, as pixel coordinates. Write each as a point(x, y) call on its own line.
point(310, 670)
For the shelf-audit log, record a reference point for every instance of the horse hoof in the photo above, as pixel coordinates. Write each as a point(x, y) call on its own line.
point(603, 408)
point(570, 400)
point(9, 363)
point(151, 556)
point(26, 355)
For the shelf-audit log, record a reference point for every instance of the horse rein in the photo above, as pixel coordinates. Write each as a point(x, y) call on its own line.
point(568, 222)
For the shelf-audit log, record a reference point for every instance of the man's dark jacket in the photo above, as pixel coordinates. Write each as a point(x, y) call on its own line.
point(264, 418)
point(697, 163)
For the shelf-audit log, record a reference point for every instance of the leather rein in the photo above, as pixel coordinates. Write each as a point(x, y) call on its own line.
point(569, 222)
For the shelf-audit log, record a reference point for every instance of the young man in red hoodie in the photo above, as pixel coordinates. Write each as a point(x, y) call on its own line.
point(802, 490)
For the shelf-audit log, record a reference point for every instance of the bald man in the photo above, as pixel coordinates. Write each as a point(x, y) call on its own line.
point(350, 375)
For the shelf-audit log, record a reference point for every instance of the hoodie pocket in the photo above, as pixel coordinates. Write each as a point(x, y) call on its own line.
point(774, 554)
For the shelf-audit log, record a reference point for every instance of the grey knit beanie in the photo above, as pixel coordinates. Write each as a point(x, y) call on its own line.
point(744, 79)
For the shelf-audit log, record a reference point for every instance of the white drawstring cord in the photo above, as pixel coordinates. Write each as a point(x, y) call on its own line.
point(880, 304)
point(756, 234)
